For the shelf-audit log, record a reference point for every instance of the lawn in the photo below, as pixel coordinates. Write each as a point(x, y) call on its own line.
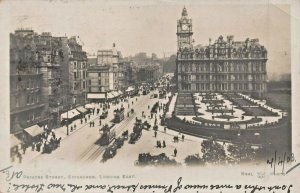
point(279, 100)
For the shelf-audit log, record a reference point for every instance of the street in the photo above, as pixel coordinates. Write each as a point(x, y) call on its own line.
point(81, 145)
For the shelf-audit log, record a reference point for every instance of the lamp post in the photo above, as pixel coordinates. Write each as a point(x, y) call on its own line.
point(68, 120)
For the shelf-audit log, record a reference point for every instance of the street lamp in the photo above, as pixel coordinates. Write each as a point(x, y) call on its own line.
point(68, 120)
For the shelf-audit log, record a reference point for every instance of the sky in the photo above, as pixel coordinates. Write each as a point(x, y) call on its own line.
point(150, 26)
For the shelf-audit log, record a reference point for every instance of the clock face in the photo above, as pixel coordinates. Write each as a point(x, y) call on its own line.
point(185, 26)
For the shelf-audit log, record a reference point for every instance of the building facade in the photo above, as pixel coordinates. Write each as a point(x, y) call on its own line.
point(105, 75)
point(222, 66)
point(27, 106)
point(149, 73)
point(49, 51)
point(77, 72)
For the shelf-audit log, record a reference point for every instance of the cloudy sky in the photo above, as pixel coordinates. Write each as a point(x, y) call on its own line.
point(151, 26)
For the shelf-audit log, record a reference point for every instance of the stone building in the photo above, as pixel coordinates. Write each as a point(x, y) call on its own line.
point(221, 66)
point(77, 70)
point(27, 106)
point(50, 56)
point(149, 72)
point(105, 75)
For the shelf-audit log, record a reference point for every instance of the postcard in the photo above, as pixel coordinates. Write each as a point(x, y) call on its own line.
point(149, 96)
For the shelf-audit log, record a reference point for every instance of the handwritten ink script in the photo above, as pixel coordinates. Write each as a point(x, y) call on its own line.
point(12, 177)
point(277, 162)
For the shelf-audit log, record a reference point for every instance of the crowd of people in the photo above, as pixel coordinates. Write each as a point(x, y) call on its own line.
point(44, 143)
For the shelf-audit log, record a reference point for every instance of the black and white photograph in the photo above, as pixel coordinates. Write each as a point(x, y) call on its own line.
point(150, 86)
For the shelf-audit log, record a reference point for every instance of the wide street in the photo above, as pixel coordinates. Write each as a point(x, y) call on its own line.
point(81, 145)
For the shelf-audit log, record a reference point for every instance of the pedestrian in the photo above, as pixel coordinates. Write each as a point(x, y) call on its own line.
point(89, 116)
point(182, 137)
point(85, 119)
point(90, 123)
point(20, 157)
point(100, 122)
point(165, 129)
point(71, 128)
point(175, 152)
point(164, 143)
point(157, 143)
point(148, 106)
point(81, 120)
point(155, 133)
point(132, 102)
point(24, 148)
point(74, 127)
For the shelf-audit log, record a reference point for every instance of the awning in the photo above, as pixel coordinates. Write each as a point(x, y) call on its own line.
point(129, 89)
point(115, 93)
point(34, 130)
point(120, 92)
point(14, 141)
point(110, 95)
point(95, 95)
point(70, 114)
point(89, 106)
point(81, 109)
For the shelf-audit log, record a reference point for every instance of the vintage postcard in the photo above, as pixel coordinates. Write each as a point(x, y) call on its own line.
point(149, 96)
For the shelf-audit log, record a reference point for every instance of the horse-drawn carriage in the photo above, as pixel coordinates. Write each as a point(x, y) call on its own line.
point(137, 131)
point(148, 159)
point(146, 125)
point(111, 151)
point(51, 146)
point(104, 114)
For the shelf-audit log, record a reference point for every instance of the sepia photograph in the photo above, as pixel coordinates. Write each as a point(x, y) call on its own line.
point(148, 86)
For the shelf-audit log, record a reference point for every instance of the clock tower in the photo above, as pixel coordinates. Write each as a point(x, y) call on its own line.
point(184, 31)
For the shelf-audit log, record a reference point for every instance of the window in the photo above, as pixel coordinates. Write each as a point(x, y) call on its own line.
point(207, 87)
point(28, 100)
point(202, 86)
point(240, 87)
point(83, 85)
point(17, 104)
point(75, 75)
point(185, 68)
point(30, 116)
point(32, 99)
point(75, 65)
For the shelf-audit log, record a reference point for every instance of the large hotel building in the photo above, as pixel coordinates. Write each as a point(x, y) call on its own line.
point(223, 66)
